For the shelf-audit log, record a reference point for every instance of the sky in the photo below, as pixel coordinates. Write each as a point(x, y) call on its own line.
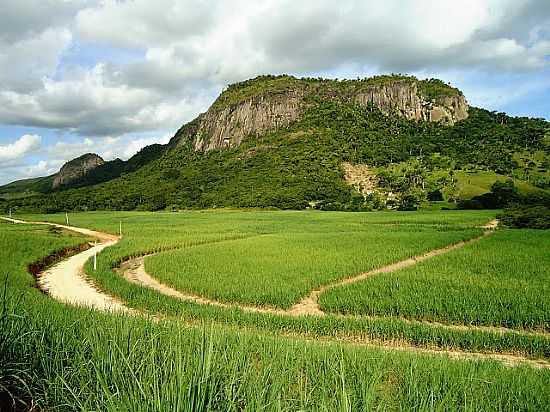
point(113, 76)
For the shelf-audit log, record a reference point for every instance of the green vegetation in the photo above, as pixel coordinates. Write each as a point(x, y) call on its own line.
point(300, 166)
point(477, 182)
point(147, 232)
point(24, 187)
point(506, 194)
point(75, 359)
point(530, 217)
point(435, 89)
point(278, 269)
point(501, 281)
point(314, 87)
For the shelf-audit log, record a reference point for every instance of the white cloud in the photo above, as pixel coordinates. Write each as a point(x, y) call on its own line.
point(90, 104)
point(139, 22)
point(24, 145)
point(188, 50)
point(70, 150)
point(42, 168)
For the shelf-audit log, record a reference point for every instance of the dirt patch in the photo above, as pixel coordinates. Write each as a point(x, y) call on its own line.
point(361, 177)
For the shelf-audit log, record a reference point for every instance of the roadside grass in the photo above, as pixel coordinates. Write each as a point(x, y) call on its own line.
point(503, 280)
point(67, 358)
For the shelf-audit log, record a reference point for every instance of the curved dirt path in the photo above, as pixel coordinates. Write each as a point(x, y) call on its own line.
point(66, 281)
point(134, 271)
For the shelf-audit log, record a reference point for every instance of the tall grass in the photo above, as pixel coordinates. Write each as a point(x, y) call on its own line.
point(503, 280)
point(82, 361)
point(65, 358)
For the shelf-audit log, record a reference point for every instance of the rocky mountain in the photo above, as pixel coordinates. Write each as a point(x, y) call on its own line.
point(278, 141)
point(76, 169)
point(270, 102)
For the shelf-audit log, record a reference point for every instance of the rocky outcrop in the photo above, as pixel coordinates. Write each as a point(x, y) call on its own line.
point(361, 177)
point(226, 124)
point(404, 99)
point(75, 169)
point(254, 116)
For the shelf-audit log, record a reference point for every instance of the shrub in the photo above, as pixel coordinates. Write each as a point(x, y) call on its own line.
point(526, 217)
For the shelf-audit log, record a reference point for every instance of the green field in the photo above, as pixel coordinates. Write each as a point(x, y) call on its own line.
point(280, 268)
point(478, 182)
point(202, 357)
point(502, 281)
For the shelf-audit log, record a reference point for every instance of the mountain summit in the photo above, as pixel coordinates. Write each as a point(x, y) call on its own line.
point(265, 103)
point(278, 141)
point(76, 169)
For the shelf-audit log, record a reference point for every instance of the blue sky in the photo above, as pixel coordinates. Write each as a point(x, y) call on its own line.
point(113, 76)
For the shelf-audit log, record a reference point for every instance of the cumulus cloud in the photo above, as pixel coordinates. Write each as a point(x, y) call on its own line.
point(42, 168)
point(89, 104)
point(24, 18)
point(240, 38)
point(185, 52)
point(191, 49)
point(24, 145)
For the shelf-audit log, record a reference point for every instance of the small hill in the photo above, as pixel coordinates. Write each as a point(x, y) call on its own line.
point(279, 141)
point(76, 168)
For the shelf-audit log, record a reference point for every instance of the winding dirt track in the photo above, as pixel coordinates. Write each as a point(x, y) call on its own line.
point(67, 283)
point(134, 271)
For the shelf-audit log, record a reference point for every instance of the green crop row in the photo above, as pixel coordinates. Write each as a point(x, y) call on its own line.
point(67, 358)
point(502, 281)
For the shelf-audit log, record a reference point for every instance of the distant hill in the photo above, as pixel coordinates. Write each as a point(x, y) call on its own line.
point(86, 170)
point(284, 142)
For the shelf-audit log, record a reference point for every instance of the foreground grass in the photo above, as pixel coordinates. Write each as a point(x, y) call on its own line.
point(502, 281)
point(65, 358)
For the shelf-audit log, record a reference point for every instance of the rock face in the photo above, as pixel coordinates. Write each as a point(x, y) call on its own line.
point(403, 98)
point(254, 116)
point(76, 168)
point(225, 125)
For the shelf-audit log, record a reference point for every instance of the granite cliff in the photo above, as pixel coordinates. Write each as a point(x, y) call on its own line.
point(76, 169)
point(256, 106)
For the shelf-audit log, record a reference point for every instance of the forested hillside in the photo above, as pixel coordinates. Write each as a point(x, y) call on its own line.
point(300, 164)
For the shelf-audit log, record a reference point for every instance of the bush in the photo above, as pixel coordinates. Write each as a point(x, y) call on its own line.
point(502, 194)
point(435, 195)
point(526, 217)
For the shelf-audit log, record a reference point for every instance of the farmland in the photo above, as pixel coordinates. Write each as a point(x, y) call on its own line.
point(280, 268)
point(503, 281)
point(233, 359)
